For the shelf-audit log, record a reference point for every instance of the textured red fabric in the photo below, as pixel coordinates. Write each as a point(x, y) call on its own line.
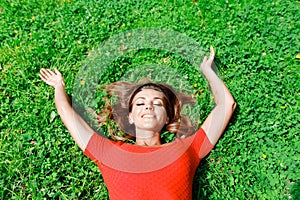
point(135, 172)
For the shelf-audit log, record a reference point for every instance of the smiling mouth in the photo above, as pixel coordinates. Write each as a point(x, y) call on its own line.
point(147, 116)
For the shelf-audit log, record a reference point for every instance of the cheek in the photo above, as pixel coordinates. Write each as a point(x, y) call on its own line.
point(137, 109)
point(135, 112)
point(163, 114)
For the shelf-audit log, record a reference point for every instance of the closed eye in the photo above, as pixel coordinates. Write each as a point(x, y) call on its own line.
point(158, 102)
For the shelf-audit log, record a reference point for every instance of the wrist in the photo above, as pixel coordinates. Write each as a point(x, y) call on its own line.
point(60, 85)
point(206, 70)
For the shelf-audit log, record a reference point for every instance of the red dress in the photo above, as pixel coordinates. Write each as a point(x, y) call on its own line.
point(134, 172)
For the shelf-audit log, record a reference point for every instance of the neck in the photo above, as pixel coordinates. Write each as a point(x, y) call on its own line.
point(147, 139)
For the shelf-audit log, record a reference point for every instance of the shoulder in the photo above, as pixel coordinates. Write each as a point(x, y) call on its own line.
point(96, 144)
point(201, 143)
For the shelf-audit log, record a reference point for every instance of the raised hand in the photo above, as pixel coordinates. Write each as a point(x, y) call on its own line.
point(207, 62)
point(53, 79)
point(216, 122)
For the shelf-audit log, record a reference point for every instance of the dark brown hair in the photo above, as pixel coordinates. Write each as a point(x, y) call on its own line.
point(119, 110)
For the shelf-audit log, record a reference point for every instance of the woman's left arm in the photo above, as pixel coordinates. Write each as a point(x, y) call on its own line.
point(216, 122)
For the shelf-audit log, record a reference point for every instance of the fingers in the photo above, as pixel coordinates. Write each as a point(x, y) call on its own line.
point(43, 74)
point(204, 61)
point(57, 72)
point(47, 72)
point(211, 56)
point(212, 53)
point(42, 77)
point(51, 78)
point(207, 61)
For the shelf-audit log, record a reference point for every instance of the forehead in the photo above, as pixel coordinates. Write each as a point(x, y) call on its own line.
point(149, 94)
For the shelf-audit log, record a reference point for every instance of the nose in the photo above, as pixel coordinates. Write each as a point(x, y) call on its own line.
point(149, 106)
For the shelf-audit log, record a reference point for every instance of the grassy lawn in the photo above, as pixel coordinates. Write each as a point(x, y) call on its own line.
point(257, 52)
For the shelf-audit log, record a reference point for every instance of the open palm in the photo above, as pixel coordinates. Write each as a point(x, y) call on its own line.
point(52, 78)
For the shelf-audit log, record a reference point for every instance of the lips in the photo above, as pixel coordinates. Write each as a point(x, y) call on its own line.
point(147, 116)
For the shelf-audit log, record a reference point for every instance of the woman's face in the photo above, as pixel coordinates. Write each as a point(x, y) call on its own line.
point(148, 111)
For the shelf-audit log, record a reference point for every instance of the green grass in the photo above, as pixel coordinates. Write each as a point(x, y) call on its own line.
point(256, 42)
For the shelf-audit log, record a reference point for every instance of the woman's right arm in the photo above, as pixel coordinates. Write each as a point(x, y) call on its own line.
point(78, 128)
point(219, 117)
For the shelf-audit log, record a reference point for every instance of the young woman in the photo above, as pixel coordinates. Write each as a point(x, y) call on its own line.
point(148, 169)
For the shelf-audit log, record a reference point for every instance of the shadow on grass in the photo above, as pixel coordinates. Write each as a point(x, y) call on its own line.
point(201, 190)
point(201, 186)
point(295, 191)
